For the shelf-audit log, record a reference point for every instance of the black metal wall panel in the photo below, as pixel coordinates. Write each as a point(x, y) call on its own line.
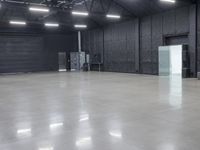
point(21, 54)
point(33, 52)
point(133, 45)
point(92, 43)
point(54, 43)
point(157, 40)
point(169, 22)
point(145, 45)
point(136, 36)
point(153, 28)
point(198, 37)
point(116, 44)
point(182, 20)
point(119, 50)
point(192, 40)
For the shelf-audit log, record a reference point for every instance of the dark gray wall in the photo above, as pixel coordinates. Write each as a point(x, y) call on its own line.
point(30, 52)
point(55, 43)
point(198, 36)
point(155, 29)
point(21, 54)
point(117, 44)
point(120, 46)
point(132, 46)
point(93, 44)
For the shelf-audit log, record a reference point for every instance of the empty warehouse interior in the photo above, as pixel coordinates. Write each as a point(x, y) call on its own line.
point(99, 74)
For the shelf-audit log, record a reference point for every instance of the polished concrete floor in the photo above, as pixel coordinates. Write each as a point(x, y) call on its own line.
point(98, 111)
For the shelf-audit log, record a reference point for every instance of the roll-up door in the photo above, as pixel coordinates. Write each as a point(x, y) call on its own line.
point(21, 54)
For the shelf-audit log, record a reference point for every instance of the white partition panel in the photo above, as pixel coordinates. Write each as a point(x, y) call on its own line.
point(170, 60)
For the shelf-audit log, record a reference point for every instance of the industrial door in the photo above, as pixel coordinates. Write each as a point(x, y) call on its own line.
point(21, 54)
point(62, 61)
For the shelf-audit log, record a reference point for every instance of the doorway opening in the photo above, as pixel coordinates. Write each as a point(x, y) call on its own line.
point(62, 61)
point(170, 60)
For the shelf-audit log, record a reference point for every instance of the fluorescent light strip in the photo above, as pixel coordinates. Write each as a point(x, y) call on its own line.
point(170, 1)
point(80, 26)
point(18, 22)
point(51, 24)
point(37, 9)
point(80, 13)
point(113, 16)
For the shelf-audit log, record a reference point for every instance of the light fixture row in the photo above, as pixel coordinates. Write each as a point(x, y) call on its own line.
point(75, 13)
point(23, 23)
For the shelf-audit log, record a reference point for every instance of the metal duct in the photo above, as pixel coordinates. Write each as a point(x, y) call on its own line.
point(79, 41)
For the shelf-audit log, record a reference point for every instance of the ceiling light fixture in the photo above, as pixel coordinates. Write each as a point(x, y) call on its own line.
point(170, 1)
point(113, 16)
point(80, 26)
point(39, 9)
point(78, 13)
point(51, 24)
point(17, 22)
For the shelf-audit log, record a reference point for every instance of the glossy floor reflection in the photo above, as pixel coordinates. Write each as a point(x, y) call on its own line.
point(98, 111)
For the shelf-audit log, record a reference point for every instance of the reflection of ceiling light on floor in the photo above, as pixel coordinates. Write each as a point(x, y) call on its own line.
point(24, 132)
point(116, 134)
point(84, 141)
point(84, 117)
point(168, 146)
point(62, 70)
point(46, 148)
point(56, 125)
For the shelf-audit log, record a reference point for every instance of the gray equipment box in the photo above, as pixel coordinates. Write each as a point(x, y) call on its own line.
point(77, 60)
point(198, 75)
